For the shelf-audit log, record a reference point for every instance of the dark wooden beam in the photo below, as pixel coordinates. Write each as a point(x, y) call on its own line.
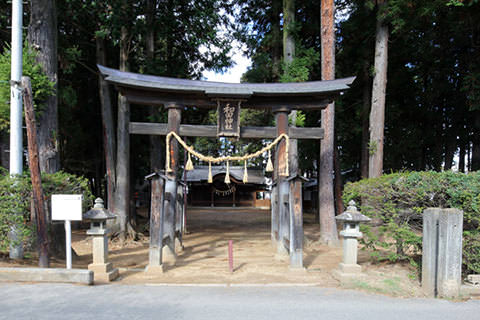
point(188, 130)
point(148, 99)
point(142, 97)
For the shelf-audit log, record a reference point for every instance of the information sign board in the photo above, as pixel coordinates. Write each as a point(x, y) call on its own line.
point(67, 207)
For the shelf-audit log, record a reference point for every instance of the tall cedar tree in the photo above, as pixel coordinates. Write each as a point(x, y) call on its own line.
point(328, 227)
point(377, 111)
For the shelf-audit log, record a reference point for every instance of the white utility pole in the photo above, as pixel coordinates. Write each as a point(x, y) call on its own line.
point(16, 143)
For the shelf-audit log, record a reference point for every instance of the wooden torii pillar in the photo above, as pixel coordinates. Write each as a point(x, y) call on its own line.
point(170, 201)
point(176, 94)
point(280, 211)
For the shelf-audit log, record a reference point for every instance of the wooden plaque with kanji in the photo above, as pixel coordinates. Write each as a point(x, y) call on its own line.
point(228, 124)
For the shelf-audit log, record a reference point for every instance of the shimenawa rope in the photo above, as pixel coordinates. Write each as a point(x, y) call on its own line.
point(209, 159)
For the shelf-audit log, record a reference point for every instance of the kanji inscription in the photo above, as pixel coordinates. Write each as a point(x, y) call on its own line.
point(228, 118)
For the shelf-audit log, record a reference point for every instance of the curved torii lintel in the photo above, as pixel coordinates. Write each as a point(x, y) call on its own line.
point(155, 90)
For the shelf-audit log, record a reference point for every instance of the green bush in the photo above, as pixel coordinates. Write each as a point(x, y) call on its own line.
point(16, 196)
point(42, 87)
point(395, 203)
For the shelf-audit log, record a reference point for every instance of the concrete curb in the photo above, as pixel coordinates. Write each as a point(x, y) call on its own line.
point(226, 285)
point(470, 290)
point(47, 275)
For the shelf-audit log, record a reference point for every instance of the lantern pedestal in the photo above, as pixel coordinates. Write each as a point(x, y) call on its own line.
point(102, 269)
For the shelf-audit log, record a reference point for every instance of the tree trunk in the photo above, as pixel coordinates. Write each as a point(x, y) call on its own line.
point(4, 147)
point(339, 208)
point(156, 154)
point(288, 23)
point(122, 193)
point(461, 160)
point(288, 56)
point(108, 126)
point(475, 162)
point(365, 113)
point(328, 226)
point(42, 37)
point(155, 141)
point(276, 40)
point(38, 199)
point(377, 112)
point(450, 148)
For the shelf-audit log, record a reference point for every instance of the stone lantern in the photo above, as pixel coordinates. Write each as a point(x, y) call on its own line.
point(351, 219)
point(98, 216)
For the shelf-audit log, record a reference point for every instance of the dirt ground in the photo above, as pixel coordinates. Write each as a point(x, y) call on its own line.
point(204, 259)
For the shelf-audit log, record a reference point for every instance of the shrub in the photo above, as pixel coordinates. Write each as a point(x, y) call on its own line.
point(395, 203)
point(41, 85)
point(16, 196)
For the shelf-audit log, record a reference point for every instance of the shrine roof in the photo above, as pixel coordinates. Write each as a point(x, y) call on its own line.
point(207, 89)
point(200, 174)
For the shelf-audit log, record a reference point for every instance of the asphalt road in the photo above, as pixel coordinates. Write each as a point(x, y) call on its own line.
point(62, 301)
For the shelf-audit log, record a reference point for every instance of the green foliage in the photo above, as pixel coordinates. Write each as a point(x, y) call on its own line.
point(42, 87)
point(13, 198)
point(395, 203)
point(372, 147)
point(16, 196)
point(299, 69)
point(471, 250)
point(300, 120)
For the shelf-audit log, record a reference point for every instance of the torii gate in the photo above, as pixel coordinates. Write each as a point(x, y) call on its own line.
point(176, 94)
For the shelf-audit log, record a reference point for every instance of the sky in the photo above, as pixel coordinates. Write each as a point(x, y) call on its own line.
point(234, 73)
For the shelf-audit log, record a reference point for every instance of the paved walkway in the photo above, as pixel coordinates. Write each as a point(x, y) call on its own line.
point(70, 302)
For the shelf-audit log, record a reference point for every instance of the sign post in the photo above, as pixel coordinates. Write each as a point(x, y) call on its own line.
point(67, 207)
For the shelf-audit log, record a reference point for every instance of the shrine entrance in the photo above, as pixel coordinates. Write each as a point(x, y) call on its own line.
point(167, 210)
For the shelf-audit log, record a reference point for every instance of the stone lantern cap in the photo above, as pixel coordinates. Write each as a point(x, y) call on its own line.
point(352, 214)
point(98, 212)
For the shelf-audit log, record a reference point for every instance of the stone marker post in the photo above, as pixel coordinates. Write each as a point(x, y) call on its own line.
point(442, 252)
point(351, 219)
point(102, 269)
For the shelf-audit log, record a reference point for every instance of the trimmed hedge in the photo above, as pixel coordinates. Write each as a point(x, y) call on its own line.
point(396, 201)
point(16, 196)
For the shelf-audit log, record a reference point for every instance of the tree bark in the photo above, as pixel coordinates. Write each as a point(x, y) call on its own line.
point(4, 146)
point(108, 126)
point(122, 192)
point(155, 140)
point(339, 208)
point(276, 40)
point(288, 56)
point(450, 148)
point(377, 112)
point(461, 162)
point(365, 113)
point(38, 198)
point(475, 154)
point(42, 37)
point(328, 226)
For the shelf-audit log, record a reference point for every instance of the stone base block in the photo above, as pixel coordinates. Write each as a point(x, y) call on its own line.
point(106, 277)
point(347, 272)
point(449, 289)
point(474, 279)
point(470, 290)
point(100, 267)
point(103, 272)
point(47, 275)
point(154, 269)
point(349, 268)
